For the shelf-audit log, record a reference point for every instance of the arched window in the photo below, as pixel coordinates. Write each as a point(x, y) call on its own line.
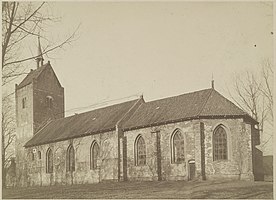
point(49, 161)
point(49, 101)
point(94, 155)
point(178, 152)
point(220, 144)
point(24, 102)
point(140, 151)
point(39, 154)
point(70, 159)
point(32, 156)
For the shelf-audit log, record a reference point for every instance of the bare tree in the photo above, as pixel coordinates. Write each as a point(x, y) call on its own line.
point(252, 92)
point(267, 87)
point(247, 94)
point(21, 23)
point(8, 135)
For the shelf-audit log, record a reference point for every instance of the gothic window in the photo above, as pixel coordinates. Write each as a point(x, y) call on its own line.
point(220, 144)
point(94, 155)
point(70, 159)
point(39, 155)
point(140, 151)
point(24, 102)
point(49, 102)
point(178, 155)
point(49, 161)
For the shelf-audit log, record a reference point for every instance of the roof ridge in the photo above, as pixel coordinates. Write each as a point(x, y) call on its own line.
point(179, 95)
point(99, 108)
point(211, 91)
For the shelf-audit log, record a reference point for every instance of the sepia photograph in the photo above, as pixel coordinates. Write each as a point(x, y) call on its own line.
point(137, 100)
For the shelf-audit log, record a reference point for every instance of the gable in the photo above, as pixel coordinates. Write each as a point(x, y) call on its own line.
point(47, 79)
point(44, 75)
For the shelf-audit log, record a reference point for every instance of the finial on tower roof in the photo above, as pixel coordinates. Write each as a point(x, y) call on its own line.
point(39, 59)
point(213, 82)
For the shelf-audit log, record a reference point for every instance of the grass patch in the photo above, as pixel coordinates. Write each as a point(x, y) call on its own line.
point(148, 190)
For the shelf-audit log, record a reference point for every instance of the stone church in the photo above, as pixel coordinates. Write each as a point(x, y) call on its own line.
point(197, 135)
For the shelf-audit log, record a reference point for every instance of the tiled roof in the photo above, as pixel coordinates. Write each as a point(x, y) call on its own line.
point(92, 122)
point(193, 105)
point(173, 108)
point(32, 75)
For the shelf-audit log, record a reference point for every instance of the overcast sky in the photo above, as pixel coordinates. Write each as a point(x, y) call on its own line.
point(156, 48)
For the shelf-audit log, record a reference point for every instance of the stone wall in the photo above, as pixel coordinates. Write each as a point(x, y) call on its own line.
point(239, 162)
point(24, 130)
point(106, 171)
point(169, 170)
point(237, 166)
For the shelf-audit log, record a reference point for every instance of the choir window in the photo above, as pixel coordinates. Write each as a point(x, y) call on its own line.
point(220, 144)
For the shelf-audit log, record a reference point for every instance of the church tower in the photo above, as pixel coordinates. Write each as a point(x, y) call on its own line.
point(39, 99)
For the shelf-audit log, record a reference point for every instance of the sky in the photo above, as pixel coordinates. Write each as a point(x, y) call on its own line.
point(158, 49)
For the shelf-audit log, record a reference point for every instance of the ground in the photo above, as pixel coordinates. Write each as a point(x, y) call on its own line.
point(164, 189)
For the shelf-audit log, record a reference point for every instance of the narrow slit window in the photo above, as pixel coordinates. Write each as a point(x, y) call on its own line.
point(24, 102)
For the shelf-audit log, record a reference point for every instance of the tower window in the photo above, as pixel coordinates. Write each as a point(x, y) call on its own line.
point(24, 102)
point(49, 102)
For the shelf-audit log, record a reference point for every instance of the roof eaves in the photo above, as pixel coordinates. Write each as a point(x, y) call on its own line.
point(68, 138)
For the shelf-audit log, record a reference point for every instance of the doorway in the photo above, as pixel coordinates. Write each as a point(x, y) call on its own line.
point(191, 164)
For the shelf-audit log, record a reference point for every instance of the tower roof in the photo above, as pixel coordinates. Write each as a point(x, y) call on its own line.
point(39, 58)
point(33, 75)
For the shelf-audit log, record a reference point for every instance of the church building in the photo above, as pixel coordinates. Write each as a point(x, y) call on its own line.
point(197, 135)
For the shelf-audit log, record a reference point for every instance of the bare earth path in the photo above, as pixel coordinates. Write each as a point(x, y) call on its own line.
point(150, 190)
